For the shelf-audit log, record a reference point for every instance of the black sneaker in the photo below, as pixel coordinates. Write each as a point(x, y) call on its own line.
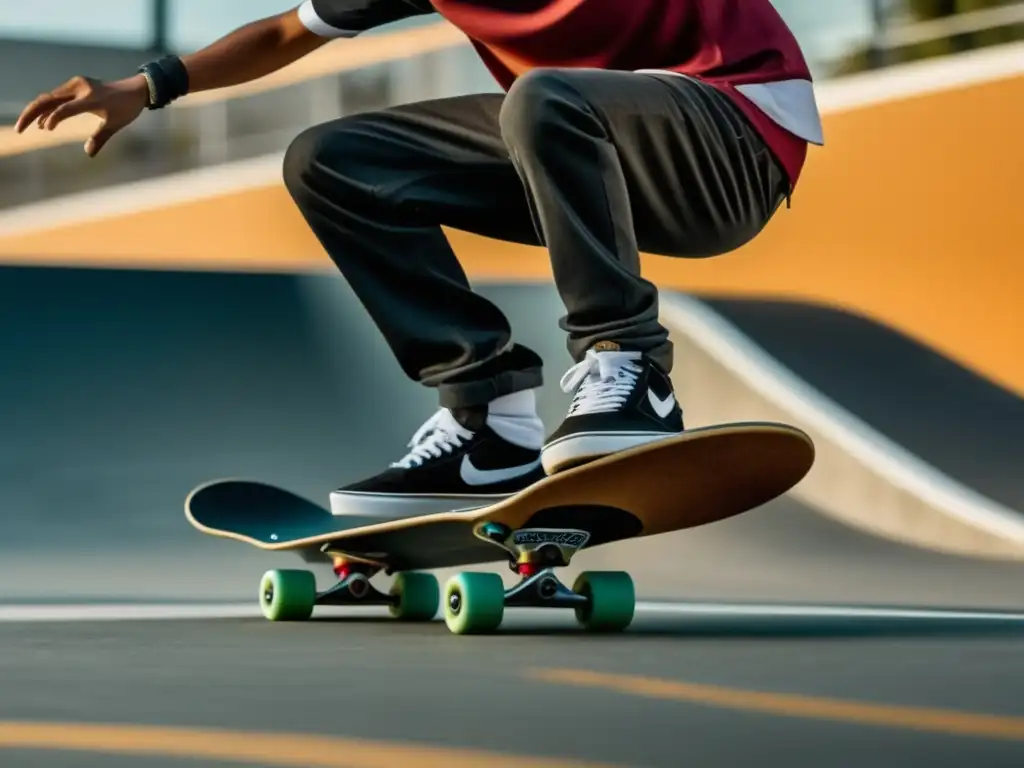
point(621, 400)
point(457, 461)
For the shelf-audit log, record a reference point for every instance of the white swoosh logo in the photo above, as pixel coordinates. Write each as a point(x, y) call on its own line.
point(661, 407)
point(473, 476)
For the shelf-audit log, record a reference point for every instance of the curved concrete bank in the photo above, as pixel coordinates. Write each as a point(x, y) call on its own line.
point(962, 424)
point(865, 474)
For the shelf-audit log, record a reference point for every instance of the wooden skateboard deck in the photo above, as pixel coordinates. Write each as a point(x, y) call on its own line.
point(702, 476)
point(696, 478)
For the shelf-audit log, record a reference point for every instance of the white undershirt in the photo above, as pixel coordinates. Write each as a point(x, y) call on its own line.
point(790, 103)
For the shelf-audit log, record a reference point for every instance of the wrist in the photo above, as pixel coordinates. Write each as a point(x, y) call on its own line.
point(166, 80)
point(140, 87)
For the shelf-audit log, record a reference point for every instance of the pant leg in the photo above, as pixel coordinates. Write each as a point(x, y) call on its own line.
point(617, 163)
point(376, 188)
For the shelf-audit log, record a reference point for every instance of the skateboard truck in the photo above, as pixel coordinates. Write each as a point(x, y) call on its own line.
point(542, 590)
point(534, 553)
point(291, 595)
point(353, 586)
point(533, 549)
point(475, 602)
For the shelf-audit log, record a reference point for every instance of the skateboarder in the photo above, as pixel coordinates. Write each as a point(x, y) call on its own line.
point(676, 127)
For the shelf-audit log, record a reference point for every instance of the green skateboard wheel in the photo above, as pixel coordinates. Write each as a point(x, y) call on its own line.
point(611, 600)
point(474, 603)
point(288, 595)
point(416, 596)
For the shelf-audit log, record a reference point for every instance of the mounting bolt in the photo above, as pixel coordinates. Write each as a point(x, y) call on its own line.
point(358, 587)
point(547, 588)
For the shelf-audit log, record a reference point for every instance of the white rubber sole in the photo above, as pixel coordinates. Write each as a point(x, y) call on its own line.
point(569, 451)
point(400, 506)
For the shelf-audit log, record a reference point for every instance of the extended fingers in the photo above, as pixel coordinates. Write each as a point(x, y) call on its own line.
point(66, 110)
point(45, 103)
point(39, 109)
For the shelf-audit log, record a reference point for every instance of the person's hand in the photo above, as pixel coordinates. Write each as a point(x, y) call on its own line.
point(117, 104)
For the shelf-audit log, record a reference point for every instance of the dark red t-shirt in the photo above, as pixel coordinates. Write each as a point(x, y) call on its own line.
point(742, 47)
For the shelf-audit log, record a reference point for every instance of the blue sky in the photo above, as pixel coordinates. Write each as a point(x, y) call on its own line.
point(825, 27)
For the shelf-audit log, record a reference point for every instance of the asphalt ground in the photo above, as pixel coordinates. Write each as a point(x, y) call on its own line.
point(674, 690)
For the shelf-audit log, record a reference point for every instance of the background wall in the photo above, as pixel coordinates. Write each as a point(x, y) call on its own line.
point(903, 217)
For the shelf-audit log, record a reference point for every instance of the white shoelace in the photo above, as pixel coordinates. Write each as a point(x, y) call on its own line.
point(602, 381)
point(441, 433)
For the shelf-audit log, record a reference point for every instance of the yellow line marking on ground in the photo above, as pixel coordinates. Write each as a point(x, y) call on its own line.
point(793, 705)
point(281, 749)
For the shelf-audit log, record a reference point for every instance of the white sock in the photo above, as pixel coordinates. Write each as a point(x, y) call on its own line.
point(514, 418)
point(522, 403)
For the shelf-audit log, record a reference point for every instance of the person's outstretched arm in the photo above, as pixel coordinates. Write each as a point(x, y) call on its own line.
point(248, 53)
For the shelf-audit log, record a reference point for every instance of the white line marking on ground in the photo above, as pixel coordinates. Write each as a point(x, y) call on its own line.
point(825, 611)
point(146, 612)
point(125, 612)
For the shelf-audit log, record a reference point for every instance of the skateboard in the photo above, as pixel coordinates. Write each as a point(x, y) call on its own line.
point(699, 477)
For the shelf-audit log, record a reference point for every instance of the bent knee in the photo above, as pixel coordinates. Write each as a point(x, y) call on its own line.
point(301, 158)
point(340, 152)
point(537, 100)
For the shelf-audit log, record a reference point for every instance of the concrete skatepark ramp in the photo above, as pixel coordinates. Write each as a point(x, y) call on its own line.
point(124, 389)
point(910, 445)
point(960, 423)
